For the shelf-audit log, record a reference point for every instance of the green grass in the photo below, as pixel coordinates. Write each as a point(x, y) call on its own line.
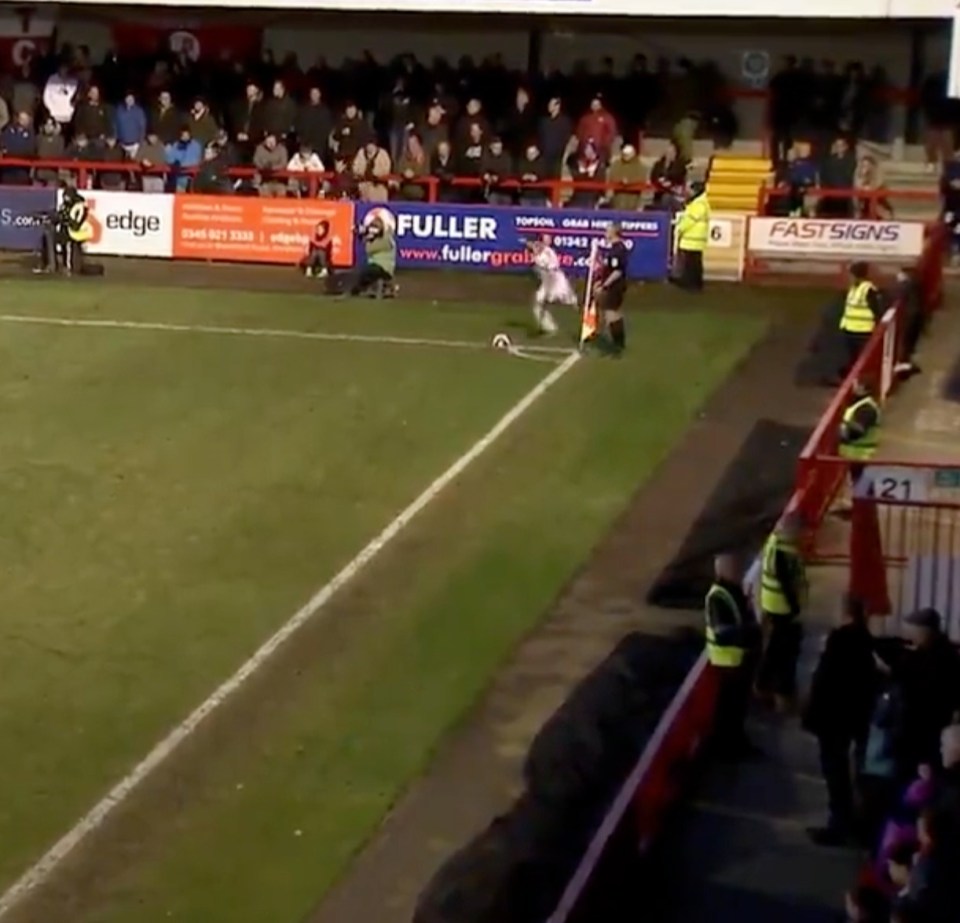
point(170, 499)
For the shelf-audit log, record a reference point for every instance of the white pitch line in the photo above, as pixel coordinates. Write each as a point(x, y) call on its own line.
point(37, 874)
point(114, 324)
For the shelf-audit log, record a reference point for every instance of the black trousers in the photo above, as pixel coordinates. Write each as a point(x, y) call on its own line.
point(690, 274)
point(836, 763)
point(733, 701)
point(778, 667)
point(58, 251)
point(368, 276)
point(317, 260)
point(853, 344)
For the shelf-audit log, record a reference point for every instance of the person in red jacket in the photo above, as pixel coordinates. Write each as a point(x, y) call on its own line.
point(316, 261)
point(599, 126)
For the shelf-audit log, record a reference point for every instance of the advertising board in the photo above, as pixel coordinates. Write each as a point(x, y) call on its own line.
point(20, 208)
point(255, 230)
point(130, 223)
point(799, 238)
point(492, 239)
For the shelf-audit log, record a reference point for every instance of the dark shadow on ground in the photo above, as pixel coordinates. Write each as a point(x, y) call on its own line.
point(738, 516)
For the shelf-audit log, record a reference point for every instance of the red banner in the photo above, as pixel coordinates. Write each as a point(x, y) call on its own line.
point(25, 34)
point(195, 41)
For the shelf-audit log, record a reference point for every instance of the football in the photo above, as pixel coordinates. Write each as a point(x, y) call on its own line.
point(501, 341)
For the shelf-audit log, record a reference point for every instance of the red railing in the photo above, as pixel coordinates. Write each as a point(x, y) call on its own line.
point(553, 190)
point(867, 202)
point(657, 780)
point(820, 472)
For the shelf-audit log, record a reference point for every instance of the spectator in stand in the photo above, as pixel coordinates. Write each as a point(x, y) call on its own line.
point(398, 111)
point(795, 178)
point(584, 166)
point(314, 123)
point(93, 117)
point(519, 125)
point(343, 184)
point(82, 150)
point(183, 155)
point(836, 173)
point(280, 113)
point(5, 113)
point(938, 139)
point(841, 701)
point(413, 165)
point(555, 133)
point(165, 119)
point(18, 140)
point(50, 146)
point(854, 100)
point(372, 167)
point(150, 153)
point(350, 132)
point(598, 127)
point(203, 126)
point(433, 129)
point(305, 160)
point(669, 178)
point(934, 886)
point(465, 136)
point(60, 95)
point(111, 152)
point(684, 133)
point(950, 196)
point(443, 168)
point(212, 178)
point(469, 158)
point(868, 178)
point(130, 124)
point(531, 168)
point(247, 119)
point(270, 157)
point(626, 174)
point(928, 673)
point(879, 115)
point(25, 94)
point(229, 153)
point(786, 106)
point(496, 169)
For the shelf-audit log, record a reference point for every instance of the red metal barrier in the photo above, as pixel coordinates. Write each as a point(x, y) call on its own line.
point(820, 474)
point(866, 201)
point(553, 189)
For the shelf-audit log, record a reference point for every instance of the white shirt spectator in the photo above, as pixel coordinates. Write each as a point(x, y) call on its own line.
point(311, 164)
point(59, 97)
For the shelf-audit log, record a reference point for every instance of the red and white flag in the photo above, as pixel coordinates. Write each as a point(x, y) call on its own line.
point(195, 40)
point(26, 33)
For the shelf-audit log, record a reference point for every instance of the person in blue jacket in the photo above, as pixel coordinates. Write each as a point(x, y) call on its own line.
point(183, 154)
point(130, 124)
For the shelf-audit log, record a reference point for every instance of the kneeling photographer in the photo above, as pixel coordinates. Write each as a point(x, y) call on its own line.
point(64, 234)
point(380, 260)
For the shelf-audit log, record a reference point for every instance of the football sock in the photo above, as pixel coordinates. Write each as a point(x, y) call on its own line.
point(618, 334)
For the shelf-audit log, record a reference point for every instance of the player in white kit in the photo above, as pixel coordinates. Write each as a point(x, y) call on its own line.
point(555, 287)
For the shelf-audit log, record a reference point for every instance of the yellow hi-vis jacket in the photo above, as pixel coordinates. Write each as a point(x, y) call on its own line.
point(79, 228)
point(859, 448)
point(724, 641)
point(693, 225)
point(857, 316)
point(772, 598)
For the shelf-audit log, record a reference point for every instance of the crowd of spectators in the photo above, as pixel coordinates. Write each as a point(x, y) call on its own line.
point(896, 706)
point(374, 131)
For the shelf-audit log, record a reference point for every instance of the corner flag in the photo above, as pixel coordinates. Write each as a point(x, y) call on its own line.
point(589, 317)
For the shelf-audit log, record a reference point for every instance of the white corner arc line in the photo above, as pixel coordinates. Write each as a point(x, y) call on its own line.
point(39, 872)
point(272, 333)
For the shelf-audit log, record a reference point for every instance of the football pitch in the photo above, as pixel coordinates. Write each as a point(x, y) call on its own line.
point(188, 472)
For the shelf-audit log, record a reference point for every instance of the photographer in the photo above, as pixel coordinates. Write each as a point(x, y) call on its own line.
point(61, 244)
point(380, 251)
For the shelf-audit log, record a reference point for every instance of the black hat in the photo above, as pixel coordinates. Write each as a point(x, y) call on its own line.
point(924, 618)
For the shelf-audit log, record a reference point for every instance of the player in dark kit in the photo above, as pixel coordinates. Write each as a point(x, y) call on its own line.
point(613, 287)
